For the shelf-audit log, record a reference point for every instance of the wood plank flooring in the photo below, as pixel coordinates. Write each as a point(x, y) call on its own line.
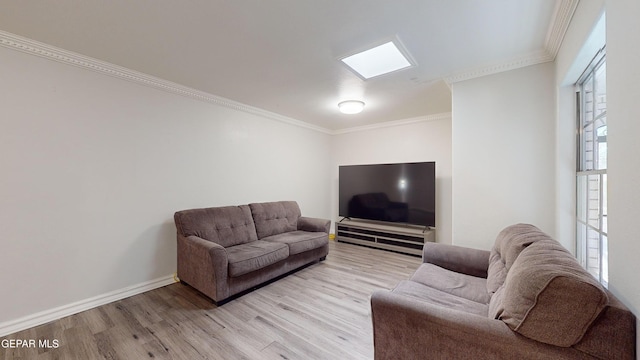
point(320, 312)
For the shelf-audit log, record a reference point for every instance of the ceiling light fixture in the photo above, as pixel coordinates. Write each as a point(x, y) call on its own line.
point(379, 60)
point(351, 106)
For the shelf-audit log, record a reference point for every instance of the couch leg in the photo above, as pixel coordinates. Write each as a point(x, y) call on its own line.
point(323, 258)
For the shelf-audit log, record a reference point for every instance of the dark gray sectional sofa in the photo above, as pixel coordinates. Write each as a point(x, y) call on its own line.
point(224, 251)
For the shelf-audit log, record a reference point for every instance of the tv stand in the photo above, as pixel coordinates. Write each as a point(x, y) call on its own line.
point(408, 239)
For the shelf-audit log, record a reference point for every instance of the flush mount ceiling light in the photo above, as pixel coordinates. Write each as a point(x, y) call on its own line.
point(351, 106)
point(379, 60)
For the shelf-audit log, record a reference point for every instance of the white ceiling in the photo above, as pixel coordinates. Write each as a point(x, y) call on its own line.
point(283, 55)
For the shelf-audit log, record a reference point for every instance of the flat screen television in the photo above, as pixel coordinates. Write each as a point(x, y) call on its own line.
point(397, 193)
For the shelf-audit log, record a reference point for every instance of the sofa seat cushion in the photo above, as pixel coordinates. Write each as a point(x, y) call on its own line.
point(254, 256)
point(466, 286)
point(547, 296)
point(434, 296)
point(300, 241)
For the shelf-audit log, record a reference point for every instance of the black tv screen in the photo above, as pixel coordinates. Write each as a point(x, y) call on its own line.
point(397, 193)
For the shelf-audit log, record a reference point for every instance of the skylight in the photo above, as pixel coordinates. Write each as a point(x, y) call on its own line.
point(377, 61)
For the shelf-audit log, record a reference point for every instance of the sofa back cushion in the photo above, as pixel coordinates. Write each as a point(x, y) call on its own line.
point(508, 245)
point(547, 296)
point(226, 226)
point(272, 218)
point(496, 273)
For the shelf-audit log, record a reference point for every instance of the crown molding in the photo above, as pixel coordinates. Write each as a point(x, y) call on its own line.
point(532, 59)
point(559, 25)
point(33, 47)
point(386, 124)
point(49, 52)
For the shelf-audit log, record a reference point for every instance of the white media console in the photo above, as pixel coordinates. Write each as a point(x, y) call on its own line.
point(407, 239)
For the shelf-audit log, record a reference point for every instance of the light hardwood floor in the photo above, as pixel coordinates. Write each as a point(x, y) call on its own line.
point(320, 312)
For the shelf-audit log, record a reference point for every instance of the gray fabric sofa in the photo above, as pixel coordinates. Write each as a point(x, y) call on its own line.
point(223, 251)
point(527, 298)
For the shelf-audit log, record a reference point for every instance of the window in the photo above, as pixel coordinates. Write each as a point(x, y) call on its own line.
point(591, 172)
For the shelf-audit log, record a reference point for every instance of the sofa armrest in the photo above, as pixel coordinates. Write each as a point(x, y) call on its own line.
point(464, 260)
point(204, 265)
point(409, 328)
point(314, 224)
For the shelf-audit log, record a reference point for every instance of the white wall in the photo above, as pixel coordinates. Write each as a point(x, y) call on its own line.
point(503, 154)
point(93, 168)
point(422, 140)
point(584, 37)
point(623, 94)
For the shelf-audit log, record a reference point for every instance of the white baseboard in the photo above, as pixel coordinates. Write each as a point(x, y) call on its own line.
point(43, 317)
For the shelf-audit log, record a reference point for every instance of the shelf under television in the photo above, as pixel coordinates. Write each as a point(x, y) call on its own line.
point(402, 238)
